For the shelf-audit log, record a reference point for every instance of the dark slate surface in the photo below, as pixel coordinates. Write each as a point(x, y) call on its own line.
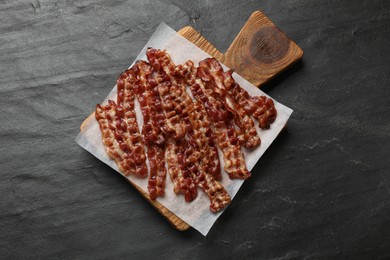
point(321, 191)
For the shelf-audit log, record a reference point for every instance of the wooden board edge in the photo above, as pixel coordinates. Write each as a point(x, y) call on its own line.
point(86, 120)
point(201, 42)
point(174, 220)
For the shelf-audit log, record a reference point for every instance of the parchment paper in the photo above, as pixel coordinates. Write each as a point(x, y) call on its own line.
point(196, 213)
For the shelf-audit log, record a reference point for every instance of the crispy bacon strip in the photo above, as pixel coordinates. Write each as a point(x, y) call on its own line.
point(116, 139)
point(161, 83)
point(157, 176)
point(198, 127)
point(261, 108)
point(201, 157)
point(161, 61)
point(193, 115)
point(181, 177)
point(168, 120)
point(165, 68)
point(223, 125)
point(152, 135)
point(200, 154)
point(210, 70)
point(202, 138)
point(219, 198)
point(125, 109)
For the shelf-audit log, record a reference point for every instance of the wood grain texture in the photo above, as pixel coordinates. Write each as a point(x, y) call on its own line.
point(270, 46)
point(261, 50)
point(258, 53)
point(196, 38)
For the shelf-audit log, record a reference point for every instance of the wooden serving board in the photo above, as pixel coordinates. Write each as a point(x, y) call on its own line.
point(259, 52)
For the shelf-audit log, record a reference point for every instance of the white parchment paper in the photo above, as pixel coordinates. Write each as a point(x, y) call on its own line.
point(195, 213)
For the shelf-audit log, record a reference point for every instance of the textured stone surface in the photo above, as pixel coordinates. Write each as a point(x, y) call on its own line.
point(321, 191)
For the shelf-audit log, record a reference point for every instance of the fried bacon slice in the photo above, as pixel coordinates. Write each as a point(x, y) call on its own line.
point(125, 109)
point(219, 198)
point(222, 119)
point(199, 132)
point(201, 157)
point(163, 81)
point(157, 175)
point(168, 120)
point(181, 177)
point(261, 108)
point(117, 140)
point(179, 174)
point(160, 61)
point(195, 118)
point(152, 134)
point(210, 70)
point(200, 154)
point(202, 138)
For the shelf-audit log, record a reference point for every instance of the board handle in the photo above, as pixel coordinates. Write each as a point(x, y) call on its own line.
point(259, 52)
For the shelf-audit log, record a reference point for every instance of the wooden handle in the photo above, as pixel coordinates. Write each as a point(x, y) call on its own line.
point(261, 50)
point(258, 53)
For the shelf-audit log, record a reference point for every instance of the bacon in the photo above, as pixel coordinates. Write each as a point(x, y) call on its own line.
point(201, 157)
point(117, 140)
point(202, 138)
point(222, 120)
point(161, 82)
point(157, 175)
point(168, 120)
point(153, 137)
point(151, 133)
point(194, 116)
point(247, 134)
point(210, 70)
point(201, 154)
point(161, 61)
point(261, 108)
point(219, 198)
point(125, 108)
point(181, 177)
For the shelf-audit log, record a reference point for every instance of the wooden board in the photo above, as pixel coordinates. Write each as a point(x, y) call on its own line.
point(259, 52)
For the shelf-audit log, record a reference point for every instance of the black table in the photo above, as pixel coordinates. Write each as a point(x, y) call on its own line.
point(321, 191)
